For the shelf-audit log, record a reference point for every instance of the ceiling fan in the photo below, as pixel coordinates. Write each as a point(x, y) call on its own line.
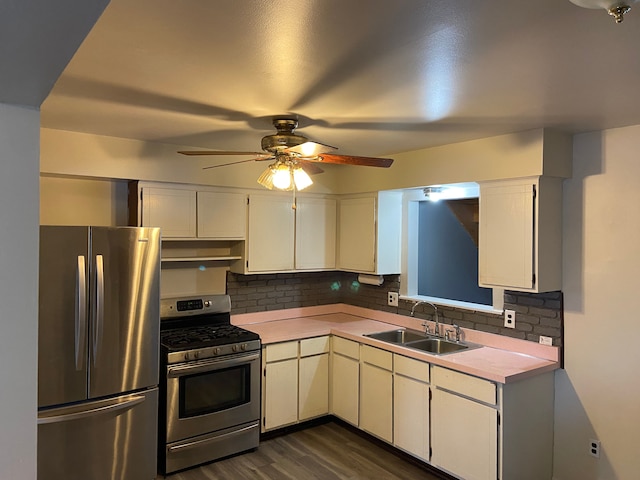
point(295, 157)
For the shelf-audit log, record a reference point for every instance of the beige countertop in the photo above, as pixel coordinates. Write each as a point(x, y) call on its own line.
point(501, 359)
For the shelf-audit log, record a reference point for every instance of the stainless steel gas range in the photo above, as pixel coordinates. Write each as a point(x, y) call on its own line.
point(210, 393)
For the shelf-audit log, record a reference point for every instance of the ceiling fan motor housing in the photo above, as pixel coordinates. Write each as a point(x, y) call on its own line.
point(284, 138)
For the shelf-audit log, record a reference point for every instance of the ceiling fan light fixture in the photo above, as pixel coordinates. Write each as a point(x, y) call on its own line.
point(301, 179)
point(266, 178)
point(616, 8)
point(282, 176)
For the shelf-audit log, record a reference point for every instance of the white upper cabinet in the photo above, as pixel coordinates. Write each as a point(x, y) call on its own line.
point(222, 215)
point(271, 233)
point(520, 234)
point(281, 238)
point(188, 212)
point(173, 210)
point(315, 233)
point(369, 233)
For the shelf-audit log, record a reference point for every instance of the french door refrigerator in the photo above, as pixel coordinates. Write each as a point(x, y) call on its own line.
point(98, 353)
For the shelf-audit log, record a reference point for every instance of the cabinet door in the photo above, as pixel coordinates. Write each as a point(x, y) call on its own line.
point(357, 234)
point(506, 246)
point(315, 233)
point(222, 215)
point(411, 416)
point(376, 401)
point(313, 391)
point(464, 436)
point(280, 393)
point(271, 233)
point(345, 388)
point(173, 210)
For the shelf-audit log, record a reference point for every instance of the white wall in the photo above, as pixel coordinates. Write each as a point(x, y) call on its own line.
point(88, 155)
point(82, 201)
point(598, 394)
point(19, 173)
point(534, 152)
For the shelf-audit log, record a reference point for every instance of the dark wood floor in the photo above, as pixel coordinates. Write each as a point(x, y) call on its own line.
point(329, 451)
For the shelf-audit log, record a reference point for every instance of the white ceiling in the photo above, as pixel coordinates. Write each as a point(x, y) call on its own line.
point(373, 77)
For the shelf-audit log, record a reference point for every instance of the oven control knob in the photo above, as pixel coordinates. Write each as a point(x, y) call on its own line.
point(196, 354)
point(234, 348)
point(216, 351)
point(186, 356)
point(207, 303)
point(243, 346)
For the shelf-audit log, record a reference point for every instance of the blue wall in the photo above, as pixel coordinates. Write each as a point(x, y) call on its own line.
point(447, 257)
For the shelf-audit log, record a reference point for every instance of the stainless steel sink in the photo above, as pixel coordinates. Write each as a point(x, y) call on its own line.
point(398, 336)
point(421, 341)
point(438, 346)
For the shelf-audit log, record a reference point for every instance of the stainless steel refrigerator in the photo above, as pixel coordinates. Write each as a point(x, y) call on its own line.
point(98, 353)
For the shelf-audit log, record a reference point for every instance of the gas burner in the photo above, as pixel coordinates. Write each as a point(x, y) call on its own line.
point(204, 336)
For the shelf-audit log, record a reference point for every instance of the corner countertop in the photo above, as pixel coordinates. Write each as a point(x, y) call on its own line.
point(500, 359)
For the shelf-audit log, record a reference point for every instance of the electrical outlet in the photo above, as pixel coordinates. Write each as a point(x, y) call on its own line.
point(545, 340)
point(510, 318)
point(594, 448)
point(392, 299)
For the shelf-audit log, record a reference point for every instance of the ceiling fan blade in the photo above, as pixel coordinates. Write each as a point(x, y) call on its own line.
point(239, 161)
point(221, 152)
point(311, 168)
point(310, 149)
point(352, 160)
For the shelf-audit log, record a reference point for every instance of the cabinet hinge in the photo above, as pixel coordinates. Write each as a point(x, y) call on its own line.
point(247, 200)
point(533, 280)
point(247, 263)
point(430, 453)
point(264, 372)
point(498, 419)
point(264, 422)
point(430, 394)
point(534, 192)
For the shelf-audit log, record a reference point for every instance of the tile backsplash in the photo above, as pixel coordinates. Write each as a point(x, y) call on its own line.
point(536, 314)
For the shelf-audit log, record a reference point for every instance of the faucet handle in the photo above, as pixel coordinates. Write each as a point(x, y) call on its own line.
point(458, 332)
point(427, 328)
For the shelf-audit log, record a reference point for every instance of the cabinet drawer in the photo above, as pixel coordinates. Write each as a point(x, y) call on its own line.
point(411, 368)
point(473, 387)
point(346, 347)
point(314, 346)
point(281, 351)
point(379, 358)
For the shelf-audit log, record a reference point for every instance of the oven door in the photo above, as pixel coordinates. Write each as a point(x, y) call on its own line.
point(209, 395)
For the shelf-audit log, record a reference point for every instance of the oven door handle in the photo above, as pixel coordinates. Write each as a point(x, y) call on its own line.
point(217, 364)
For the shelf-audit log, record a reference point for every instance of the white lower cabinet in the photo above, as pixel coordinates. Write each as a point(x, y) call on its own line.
point(411, 406)
point(472, 428)
point(295, 382)
point(464, 436)
point(464, 425)
point(345, 379)
point(313, 388)
point(280, 385)
point(376, 392)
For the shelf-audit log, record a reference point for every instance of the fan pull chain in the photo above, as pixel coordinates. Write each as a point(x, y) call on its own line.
point(294, 204)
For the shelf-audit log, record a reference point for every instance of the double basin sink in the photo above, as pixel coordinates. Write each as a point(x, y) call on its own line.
point(421, 341)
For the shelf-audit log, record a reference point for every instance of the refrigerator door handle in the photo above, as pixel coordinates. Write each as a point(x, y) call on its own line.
point(99, 311)
point(81, 313)
point(116, 406)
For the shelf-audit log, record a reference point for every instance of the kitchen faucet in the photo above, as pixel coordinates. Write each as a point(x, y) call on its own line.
point(435, 309)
